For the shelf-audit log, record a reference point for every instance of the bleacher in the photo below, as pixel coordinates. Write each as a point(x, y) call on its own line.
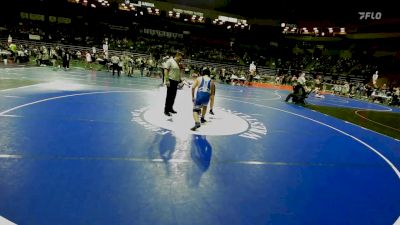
point(266, 74)
point(263, 71)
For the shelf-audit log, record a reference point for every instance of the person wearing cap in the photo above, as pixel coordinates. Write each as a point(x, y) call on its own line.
point(205, 89)
point(172, 77)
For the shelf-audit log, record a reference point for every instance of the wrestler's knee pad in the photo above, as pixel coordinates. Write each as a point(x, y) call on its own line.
point(196, 110)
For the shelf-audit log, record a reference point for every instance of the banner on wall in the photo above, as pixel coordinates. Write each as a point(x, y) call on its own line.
point(63, 20)
point(24, 15)
point(120, 28)
point(52, 19)
point(34, 37)
point(36, 17)
point(40, 17)
point(160, 33)
point(183, 11)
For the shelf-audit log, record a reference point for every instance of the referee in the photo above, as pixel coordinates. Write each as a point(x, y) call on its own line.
point(172, 77)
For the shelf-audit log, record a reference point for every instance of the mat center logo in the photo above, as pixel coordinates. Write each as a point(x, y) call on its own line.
point(224, 122)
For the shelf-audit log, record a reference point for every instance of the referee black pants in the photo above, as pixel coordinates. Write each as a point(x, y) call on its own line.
point(171, 94)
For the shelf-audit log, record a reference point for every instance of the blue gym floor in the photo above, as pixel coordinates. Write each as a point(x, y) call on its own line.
point(72, 153)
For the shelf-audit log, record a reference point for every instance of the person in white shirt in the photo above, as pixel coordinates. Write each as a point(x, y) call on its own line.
point(318, 86)
point(222, 76)
point(115, 65)
point(105, 49)
point(302, 79)
point(88, 60)
point(374, 79)
point(252, 71)
point(129, 62)
point(345, 89)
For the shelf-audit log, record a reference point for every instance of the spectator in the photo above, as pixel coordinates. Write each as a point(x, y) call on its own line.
point(115, 65)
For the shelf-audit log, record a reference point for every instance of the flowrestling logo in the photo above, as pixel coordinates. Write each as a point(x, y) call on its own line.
point(225, 122)
point(370, 15)
point(256, 128)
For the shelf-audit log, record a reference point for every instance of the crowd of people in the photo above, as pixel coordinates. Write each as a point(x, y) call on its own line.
point(287, 68)
point(234, 54)
point(303, 85)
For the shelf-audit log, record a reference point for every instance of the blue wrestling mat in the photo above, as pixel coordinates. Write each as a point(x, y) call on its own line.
point(83, 147)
